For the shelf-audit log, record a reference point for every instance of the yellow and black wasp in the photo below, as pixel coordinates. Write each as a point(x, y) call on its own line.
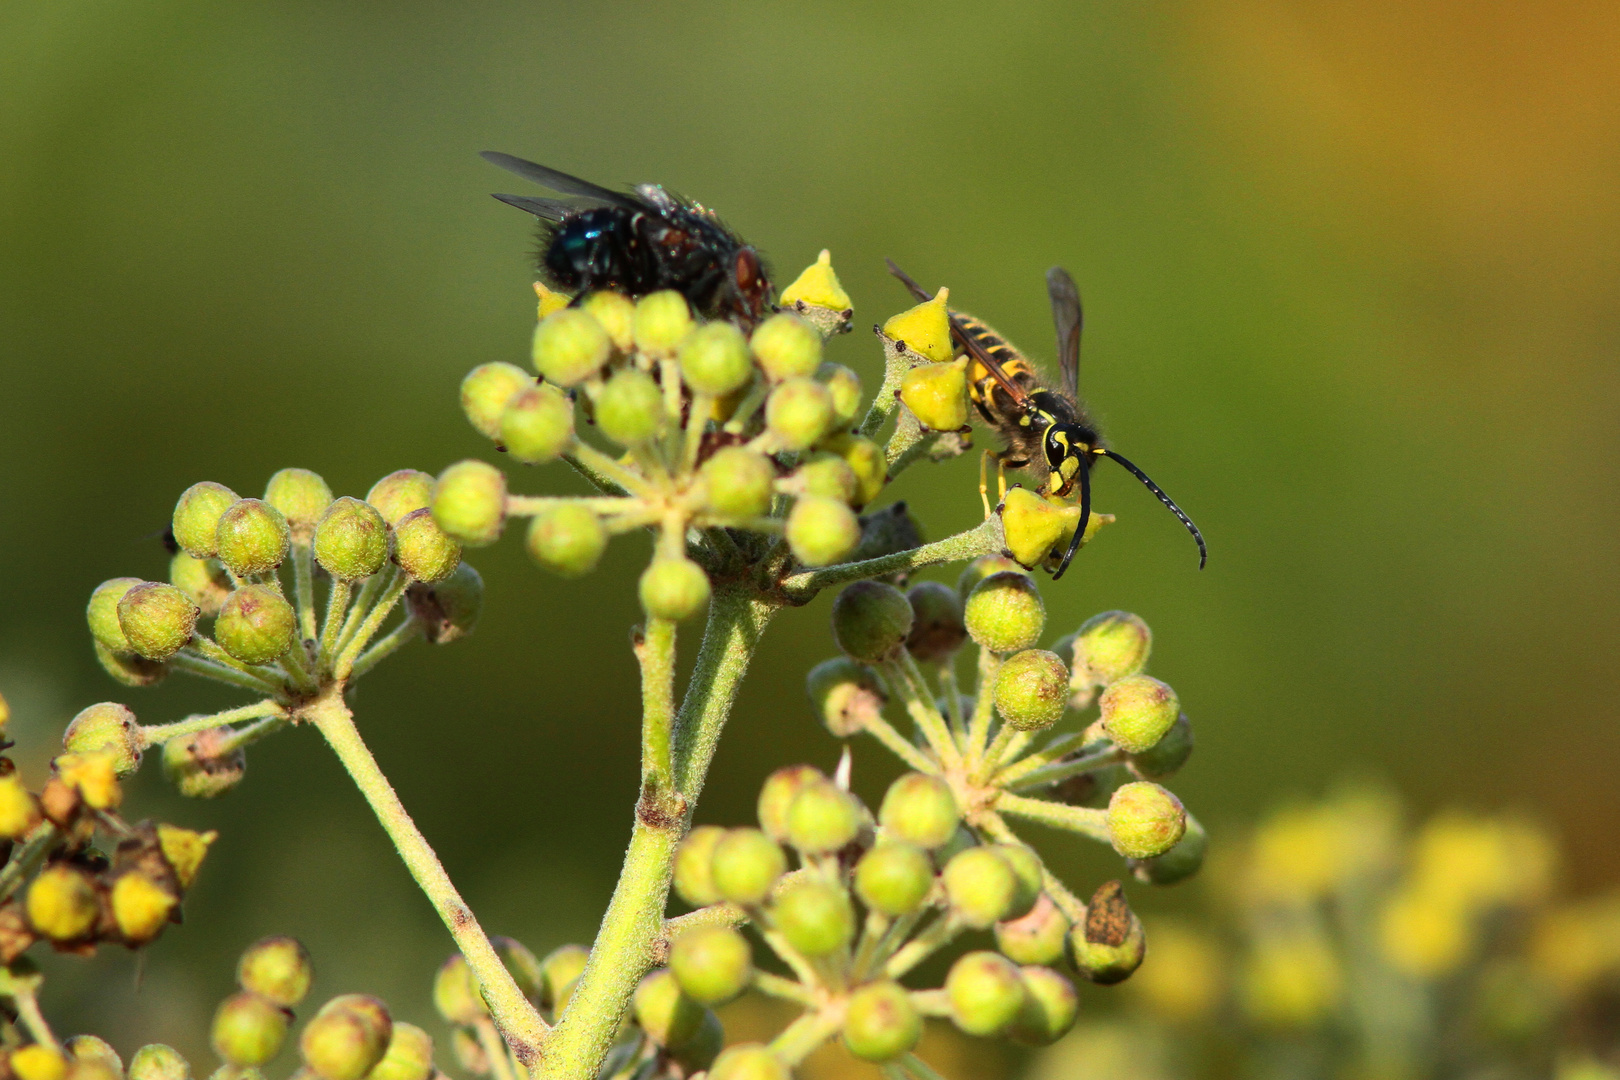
point(1047, 432)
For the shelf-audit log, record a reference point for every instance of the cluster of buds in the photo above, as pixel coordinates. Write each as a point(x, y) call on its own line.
point(270, 636)
point(76, 873)
point(547, 984)
point(350, 1037)
point(739, 451)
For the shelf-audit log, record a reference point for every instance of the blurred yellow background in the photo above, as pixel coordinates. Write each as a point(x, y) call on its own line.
point(1352, 297)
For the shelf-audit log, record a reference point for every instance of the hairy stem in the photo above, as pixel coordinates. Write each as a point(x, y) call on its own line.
point(386, 646)
point(778, 987)
point(799, 1038)
point(520, 1023)
point(1051, 774)
point(935, 936)
point(655, 650)
point(158, 734)
point(344, 662)
point(304, 590)
point(1046, 755)
point(26, 857)
point(1085, 820)
point(192, 664)
point(983, 539)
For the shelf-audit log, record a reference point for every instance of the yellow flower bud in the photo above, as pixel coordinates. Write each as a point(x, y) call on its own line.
point(19, 810)
point(94, 776)
point(39, 1062)
point(1039, 527)
point(866, 458)
point(937, 394)
point(1425, 935)
point(925, 329)
point(141, 907)
point(184, 850)
point(817, 296)
point(62, 903)
point(550, 301)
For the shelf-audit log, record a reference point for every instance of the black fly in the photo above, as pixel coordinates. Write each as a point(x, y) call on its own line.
point(640, 242)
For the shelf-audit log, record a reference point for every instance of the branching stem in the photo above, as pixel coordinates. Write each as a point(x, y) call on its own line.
point(158, 734)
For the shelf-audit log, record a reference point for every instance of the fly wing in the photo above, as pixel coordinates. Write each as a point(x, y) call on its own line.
point(544, 209)
point(1066, 315)
point(558, 181)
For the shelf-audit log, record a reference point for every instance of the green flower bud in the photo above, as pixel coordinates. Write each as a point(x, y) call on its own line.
point(347, 1038)
point(982, 567)
point(667, 1015)
point(777, 794)
point(277, 969)
point(1032, 690)
point(1144, 820)
point(986, 993)
point(448, 610)
point(248, 1030)
point(1050, 1008)
point(786, 346)
point(552, 979)
point(663, 320)
point(302, 497)
point(739, 483)
point(748, 1061)
point(887, 531)
point(845, 387)
point(469, 502)
point(1026, 867)
point(468, 1050)
point(1168, 755)
point(538, 425)
point(825, 476)
point(712, 964)
point(400, 492)
point(714, 360)
point(568, 539)
point(845, 695)
point(1109, 945)
point(1137, 711)
point(630, 409)
point(981, 886)
point(156, 1061)
point(253, 537)
point(486, 392)
point(1004, 613)
point(746, 865)
point(673, 588)
point(937, 394)
point(198, 769)
point(62, 903)
point(256, 625)
point(157, 619)
point(92, 1049)
point(870, 620)
point(617, 314)
point(798, 413)
point(196, 517)
point(570, 346)
point(455, 992)
point(1039, 936)
point(422, 549)
point(129, 669)
point(894, 877)
point(694, 861)
point(351, 539)
point(937, 630)
point(409, 1055)
point(140, 906)
point(109, 727)
point(919, 809)
point(1178, 864)
point(1038, 527)
point(881, 1022)
point(204, 580)
point(699, 1052)
point(102, 614)
point(866, 460)
point(1111, 646)
point(822, 817)
point(821, 531)
point(815, 916)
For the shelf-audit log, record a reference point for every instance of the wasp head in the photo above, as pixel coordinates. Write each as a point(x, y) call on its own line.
point(1068, 448)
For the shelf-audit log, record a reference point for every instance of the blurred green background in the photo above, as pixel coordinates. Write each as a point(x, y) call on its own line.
point(1350, 274)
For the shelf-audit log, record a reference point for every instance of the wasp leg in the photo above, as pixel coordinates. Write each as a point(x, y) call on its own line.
point(984, 480)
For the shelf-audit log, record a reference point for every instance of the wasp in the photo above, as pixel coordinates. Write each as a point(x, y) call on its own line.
point(640, 242)
point(1047, 432)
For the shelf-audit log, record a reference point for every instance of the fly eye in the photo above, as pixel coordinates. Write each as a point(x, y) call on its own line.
point(747, 269)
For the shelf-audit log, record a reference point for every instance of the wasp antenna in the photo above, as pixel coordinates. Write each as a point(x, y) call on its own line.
point(1085, 519)
point(906, 279)
point(1147, 482)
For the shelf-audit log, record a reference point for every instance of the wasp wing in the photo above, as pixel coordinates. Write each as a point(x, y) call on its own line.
point(558, 181)
point(1066, 316)
point(969, 346)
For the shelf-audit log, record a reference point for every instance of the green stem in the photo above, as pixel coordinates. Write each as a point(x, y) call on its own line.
point(932, 1002)
point(158, 734)
point(885, 401)
point(922, 712)
point(1008, 742)
point(211, 650)
point(192, 664)
point(908, 457)
point(304, 590)
point(953, 700)
point(1085, 820)
point(984, 703)
point(918, 1068)
point(403, 634)
point(530, 505)
point(983, 539)
point(908, 433)
point(604, 471)
point(26, 857)
point(344, 664)
point(800, 1038)
point(633, 925)
point(937, 731)
point(1046, 755)
point(369, 592)
point(337, 607)
point(656, 653)
point(778, 987)
point(27, 1004)
point(899, 745)
point(500, 1059)
point(520, 1023)
point(938, 934)
point(1051, 774)
point(247, 736)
